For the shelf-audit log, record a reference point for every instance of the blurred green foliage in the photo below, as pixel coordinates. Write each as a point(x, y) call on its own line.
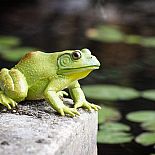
point(11, 49)
point(113, 34)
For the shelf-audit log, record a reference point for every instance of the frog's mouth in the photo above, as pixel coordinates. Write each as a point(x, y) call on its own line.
point(86, 67)
point(79, 69)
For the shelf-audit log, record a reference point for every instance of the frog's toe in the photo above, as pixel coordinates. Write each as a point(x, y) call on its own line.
point(6, 104)
point(62, 93)
point(6, 101)
point(75, 111)
point(95, 107)
point(12, 102)
point(87, 105)
point(78, 105)
point(60, 110)
point(71, 111)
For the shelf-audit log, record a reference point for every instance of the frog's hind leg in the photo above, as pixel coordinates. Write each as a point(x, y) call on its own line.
point(6, 101)
point(13, 87)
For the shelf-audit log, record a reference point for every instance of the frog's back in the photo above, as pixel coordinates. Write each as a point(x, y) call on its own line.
point(37, 65)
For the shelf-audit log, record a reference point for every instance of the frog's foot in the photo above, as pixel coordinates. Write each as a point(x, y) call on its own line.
point(87, 105)
point(66, 110)
point(62, 93)
point(6, 101)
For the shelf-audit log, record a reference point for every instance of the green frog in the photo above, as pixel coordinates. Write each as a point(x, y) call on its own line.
point(40, 75)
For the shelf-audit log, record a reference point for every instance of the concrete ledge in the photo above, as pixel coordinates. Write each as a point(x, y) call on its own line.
point(34, 129)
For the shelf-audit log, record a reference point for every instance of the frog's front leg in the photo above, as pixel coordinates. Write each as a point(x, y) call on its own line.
point(79, 97)
point(53, 98)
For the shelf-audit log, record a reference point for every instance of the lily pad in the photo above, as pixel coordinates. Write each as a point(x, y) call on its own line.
point(113, 34)
point(146, 139)
point(16, 54)
point(148, 41)
point(110, 92)
point(9, 41)
point(113, 137)
point(149, 94)
point(114, 126)
point(133, 39)
point(108, 114)
point(106, 33)
point(149, 125)
point(141, 116)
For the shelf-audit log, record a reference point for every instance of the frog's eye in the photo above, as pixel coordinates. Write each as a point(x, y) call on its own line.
point(76, 55)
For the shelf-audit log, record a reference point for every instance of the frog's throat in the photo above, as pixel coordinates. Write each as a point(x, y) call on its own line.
point(77, 70)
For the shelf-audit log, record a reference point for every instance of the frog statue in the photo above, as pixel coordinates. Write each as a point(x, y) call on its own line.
point(40, 75)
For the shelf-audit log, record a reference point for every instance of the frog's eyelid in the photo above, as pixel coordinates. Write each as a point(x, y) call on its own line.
point(77, 51)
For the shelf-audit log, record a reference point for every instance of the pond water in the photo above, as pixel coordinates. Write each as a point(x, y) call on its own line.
point(120, 33)
point(131, 148)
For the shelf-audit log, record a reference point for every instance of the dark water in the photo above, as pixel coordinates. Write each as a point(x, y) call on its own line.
point(55, 25)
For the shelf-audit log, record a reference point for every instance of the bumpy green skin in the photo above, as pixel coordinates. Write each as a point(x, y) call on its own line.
point(40, 75)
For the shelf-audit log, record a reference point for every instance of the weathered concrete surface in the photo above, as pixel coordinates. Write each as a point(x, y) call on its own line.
point(34, 129)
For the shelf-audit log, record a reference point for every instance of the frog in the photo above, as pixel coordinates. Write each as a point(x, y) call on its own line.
point(41, 75)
